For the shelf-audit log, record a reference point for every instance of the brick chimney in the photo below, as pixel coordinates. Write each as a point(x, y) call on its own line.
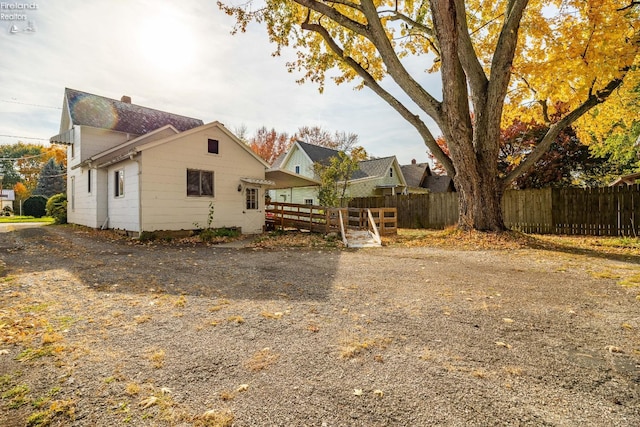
point(126, 99)
point(413, 161)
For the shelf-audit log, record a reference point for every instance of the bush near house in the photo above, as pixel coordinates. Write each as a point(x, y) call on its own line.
point(35, 206)
point(56, 208)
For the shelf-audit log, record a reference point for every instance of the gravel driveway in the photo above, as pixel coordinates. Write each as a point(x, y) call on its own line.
point(101, 331)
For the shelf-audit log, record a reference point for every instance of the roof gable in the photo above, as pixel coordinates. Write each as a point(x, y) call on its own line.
point(86, 109)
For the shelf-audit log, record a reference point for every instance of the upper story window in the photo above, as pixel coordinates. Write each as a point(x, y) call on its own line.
point(213, 146)
point(391, 172)
point(199, 183)
point(119, 183)
point(297, 169)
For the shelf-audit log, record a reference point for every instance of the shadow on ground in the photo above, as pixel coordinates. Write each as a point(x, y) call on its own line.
point(121, 266)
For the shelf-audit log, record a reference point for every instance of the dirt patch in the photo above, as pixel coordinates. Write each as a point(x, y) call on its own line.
point(100, 330)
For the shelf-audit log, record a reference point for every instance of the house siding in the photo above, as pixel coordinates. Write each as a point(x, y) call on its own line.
point(298, 158)
point(297, 195)
point(95, 141)
point(85, 209)
point(166, 205)
point(123, 211)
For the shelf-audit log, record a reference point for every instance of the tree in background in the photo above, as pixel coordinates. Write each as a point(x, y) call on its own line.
point(498, 60)
point(51, 180)
point(269, 144)
point(334, 179)
point(563, 165)
point(22, 163)
point(316, 135)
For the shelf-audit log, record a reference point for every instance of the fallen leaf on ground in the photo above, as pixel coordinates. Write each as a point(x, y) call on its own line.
point(357, 392)
point(242, 387)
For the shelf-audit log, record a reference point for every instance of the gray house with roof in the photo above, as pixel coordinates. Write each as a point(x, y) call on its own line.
point(138, 169)
point(420, 179)
point(296, 181)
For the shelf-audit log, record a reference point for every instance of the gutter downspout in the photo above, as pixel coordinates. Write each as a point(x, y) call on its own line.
point(133, 154)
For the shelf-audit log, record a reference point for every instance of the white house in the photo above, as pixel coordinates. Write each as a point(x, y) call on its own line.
point(7, 198)
point(138, 169)
point(296, 180)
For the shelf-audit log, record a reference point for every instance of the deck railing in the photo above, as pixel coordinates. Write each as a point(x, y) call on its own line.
point(321, 219)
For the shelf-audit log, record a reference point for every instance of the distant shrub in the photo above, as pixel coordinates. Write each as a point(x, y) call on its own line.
point(57, 208)
point(35, 206)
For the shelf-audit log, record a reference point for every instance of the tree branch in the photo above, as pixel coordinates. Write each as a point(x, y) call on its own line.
point(468, 58)
point(336, 16)
point(395, 68)
point(395, 16)
point(629, 6)
point(553, 132)
point(371, 82)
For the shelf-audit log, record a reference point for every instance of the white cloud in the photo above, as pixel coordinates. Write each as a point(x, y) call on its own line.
point(178, 57)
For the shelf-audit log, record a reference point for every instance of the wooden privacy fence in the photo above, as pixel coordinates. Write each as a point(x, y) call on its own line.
point(321, 219)
point(604, 211)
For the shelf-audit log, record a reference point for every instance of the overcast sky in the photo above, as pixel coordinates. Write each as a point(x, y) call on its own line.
point(177, 58)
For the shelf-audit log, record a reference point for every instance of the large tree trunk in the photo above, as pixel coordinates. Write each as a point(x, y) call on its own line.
point(479, 203)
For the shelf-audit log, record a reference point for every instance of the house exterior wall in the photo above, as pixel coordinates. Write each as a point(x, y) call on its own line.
point(165, 204)
point(88, 141)
point(123, 209)
point(296, 195)
point(298, 158)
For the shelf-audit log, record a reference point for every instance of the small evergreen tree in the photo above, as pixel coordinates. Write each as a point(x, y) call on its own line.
point(51, 179)
point(35, 206)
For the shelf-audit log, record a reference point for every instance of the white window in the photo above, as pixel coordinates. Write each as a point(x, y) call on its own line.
point(308, 201)
point(298, 169)
point(199, 183)
point(89, 181)
point(391, 172)
point(252, 198)
point(119, 183)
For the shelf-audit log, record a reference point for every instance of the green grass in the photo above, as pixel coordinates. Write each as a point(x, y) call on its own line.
point(18, 218)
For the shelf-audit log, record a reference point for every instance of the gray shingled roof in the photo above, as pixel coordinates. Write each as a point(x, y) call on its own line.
point(317, 153)
point(373, 167)
point(414, 174)
point(87, 109)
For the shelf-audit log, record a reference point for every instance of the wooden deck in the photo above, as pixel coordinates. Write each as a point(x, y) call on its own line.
point(320, 219)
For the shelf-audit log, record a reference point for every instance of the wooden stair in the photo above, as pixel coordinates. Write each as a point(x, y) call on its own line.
point(361, 239)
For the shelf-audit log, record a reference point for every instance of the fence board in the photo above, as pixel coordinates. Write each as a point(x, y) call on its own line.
point(604, 211)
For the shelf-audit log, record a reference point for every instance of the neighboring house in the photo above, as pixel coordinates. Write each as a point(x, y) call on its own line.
point(296, 181)
point(420, 179)
point(7, 198)
point(138, 169)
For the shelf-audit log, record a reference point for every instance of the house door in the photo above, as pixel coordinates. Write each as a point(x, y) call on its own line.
point(253, 210)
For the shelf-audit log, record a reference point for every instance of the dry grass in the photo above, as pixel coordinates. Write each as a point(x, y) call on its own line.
point(262, 360)
point(355, 346)
point(156, 357)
